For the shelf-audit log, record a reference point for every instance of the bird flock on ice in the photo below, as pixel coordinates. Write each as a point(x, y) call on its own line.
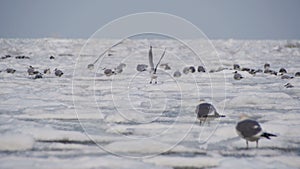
point(246, 128)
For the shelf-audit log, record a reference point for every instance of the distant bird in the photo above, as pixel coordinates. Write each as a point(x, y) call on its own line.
point(258, 71)
point(268, 70)
point(246, 69)
point(267, 66)
point(118, 70)
point(272, 72)
point(165, 66)
point(237, 76)
point(206, 111)
point(38, 76)
point(10, 70)
point(47, 71)
point(177, 73)
point(120, 67)
point(282, 71)
point(250, 130)
point(186, 70)
point(90, 66)
point(5, 57)
point(201, 69)
point(192, 69)
point(252, 71)
point(286, 77)
point(236, 67)
point(30, 70)
point(51, 57)
point(141, 67)
point(288, 85)
point(22, 57)
point(297, 74)
point(58, 72)
point(154, 69)
point(109, 72)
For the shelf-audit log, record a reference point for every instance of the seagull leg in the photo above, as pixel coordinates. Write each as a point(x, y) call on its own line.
point(247, 144)
point(256, 143)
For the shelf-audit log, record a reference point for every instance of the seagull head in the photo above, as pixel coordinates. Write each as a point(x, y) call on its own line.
point(244, 117)
point(201, 101)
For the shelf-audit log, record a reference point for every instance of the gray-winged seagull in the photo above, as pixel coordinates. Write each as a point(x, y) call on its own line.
point(58, 72)
point(206, 111)
point(177, 73)
point(250, 130)
point(201, 69)
point(141, 67)
point(237, 76)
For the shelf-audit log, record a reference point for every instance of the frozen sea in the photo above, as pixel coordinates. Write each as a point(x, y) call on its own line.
point(85, 119)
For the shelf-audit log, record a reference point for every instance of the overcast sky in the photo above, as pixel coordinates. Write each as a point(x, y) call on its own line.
point(218, 19)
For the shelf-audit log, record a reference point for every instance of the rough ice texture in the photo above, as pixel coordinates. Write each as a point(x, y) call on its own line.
point(84, 118)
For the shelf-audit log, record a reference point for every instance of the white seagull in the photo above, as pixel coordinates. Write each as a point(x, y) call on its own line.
point(154, 69)
point(250, 130)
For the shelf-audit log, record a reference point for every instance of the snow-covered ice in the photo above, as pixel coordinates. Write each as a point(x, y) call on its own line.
point(85, 119)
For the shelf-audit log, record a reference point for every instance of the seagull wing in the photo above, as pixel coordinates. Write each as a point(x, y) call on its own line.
point(159, 61)
point(151, 59)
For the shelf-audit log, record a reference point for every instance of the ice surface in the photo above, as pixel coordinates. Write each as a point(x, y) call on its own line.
point(85, 119)
point(16, 142)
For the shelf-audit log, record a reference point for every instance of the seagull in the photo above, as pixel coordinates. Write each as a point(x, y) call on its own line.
point(286, 77)
point(177, 73)
point(154, 69)
point(288, 85)
point(246, 69)
point(108, 72)
point(90, 66)
point(206, 111)
point(236, 67)
point(165, 66)
point(47, 71)
point(268, 70)
point(38, 76)
point(119, 68)
point(237, 76)
point(192, 69)
point(58, 72)
point(250, 130)
point(10, 70)
point(267, 66)
point(30, 70)
point(282, 71)
point(186, 70)
point(141, 67)
point(201, 69)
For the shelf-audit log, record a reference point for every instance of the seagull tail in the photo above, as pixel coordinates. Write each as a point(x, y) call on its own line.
point(268, 135)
